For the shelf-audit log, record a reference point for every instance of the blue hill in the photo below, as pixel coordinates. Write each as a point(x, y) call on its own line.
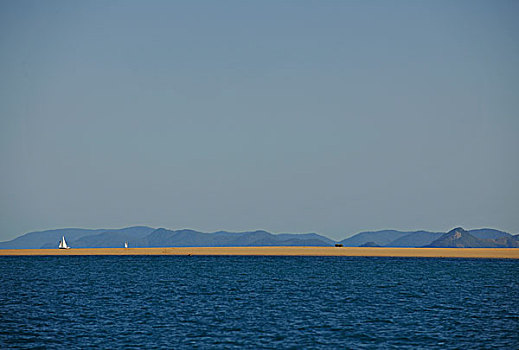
point(143, 236)
point(380, 238)
point(484, 237)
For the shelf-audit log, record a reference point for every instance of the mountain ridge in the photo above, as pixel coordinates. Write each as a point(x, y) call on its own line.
point(460, 238)
point(145, 236)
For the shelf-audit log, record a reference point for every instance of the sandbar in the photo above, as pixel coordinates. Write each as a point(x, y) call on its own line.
point(499, 253)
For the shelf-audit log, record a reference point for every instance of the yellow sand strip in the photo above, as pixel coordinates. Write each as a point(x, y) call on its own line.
point(507, 253)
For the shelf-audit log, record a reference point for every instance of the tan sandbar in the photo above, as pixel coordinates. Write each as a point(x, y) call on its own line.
point(504, 253)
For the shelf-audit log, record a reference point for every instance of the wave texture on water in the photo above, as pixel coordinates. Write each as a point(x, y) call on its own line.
point(258, 302)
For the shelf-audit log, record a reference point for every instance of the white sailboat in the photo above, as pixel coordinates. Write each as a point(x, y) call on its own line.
point(63, 244)
point(126, 244)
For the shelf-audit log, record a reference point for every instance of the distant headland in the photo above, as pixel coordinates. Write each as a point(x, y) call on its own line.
point(148, 237)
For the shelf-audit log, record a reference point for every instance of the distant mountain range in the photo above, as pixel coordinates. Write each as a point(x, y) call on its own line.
point(456, 238)
point(459, 238)
point(143, 236)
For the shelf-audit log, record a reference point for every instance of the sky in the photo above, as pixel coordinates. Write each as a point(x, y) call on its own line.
point(290, 116)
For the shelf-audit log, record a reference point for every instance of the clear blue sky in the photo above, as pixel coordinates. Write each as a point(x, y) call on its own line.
point(290, 116)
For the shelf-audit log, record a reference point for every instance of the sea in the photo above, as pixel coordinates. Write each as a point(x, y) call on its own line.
point(255, 302)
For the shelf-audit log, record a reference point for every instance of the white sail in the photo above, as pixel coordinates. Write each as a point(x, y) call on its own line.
point(126, 244)
point(63, 243)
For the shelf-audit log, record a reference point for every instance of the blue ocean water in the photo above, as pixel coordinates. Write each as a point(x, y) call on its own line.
point(258, 302)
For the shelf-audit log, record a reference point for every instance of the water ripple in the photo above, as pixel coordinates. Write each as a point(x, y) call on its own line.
point(258, 302)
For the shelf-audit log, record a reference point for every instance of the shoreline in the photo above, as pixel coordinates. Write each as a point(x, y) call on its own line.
point(489, 253)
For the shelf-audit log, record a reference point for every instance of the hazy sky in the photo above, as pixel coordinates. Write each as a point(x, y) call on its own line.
point(290, 116)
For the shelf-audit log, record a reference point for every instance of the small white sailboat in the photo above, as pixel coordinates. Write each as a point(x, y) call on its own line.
point(126, 244)
point(63, 244)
